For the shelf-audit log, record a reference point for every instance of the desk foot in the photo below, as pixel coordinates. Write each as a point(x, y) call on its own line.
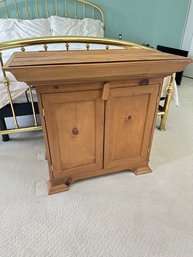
point(53, 189)
point(142, 170)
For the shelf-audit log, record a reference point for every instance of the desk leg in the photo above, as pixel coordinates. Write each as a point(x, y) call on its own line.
point(53, 189)
point(142, 170)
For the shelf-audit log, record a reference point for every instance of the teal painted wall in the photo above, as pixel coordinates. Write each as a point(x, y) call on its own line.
point(142, 21)
point(149, 21)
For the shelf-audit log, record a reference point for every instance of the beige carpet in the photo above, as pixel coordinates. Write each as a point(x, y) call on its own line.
point(116, 215)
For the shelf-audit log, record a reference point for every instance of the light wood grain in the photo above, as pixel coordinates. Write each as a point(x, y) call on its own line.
point(74, 124)
point(98, 108)
point(129, 116)
point(92, 56)
point(39, 67)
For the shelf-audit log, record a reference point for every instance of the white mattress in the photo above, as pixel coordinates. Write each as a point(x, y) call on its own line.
point(18, 88)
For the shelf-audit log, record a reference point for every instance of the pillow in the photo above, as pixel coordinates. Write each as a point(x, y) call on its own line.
point(61, 26)
point(11, 29)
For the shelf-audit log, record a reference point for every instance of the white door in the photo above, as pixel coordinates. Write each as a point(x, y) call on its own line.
point(187, 41)
point(188, 72)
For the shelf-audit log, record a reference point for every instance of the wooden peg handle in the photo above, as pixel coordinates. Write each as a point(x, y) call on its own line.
point(105, 94)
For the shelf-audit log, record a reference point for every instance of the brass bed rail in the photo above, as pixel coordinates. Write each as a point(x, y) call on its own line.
point(45, 42)
point(22, 43)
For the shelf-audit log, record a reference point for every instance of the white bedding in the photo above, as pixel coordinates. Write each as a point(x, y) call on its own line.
point(11, 29)
point(75, 27)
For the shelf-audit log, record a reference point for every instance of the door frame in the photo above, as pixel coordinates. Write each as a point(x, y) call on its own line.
point(186, 37)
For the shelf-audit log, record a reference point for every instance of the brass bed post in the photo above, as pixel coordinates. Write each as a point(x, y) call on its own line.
point(32, 105)
point(165, 108)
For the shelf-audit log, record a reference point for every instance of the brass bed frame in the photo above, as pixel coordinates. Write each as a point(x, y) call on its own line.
point(23, 9)
point(45, 8)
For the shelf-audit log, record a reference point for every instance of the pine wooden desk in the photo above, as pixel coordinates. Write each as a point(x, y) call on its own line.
point(98, 108)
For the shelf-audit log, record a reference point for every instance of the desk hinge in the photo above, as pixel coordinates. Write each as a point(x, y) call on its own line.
point(43, 112)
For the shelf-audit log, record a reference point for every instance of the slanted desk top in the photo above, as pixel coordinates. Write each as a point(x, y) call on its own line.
point(80, 65)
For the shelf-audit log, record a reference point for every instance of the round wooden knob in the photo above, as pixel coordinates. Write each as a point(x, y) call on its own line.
point(75, 131)
point(128, 118)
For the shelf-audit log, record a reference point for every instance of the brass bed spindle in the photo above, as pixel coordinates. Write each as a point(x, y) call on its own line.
point(11, 102)
point(67, 46)
point(75, 9)
point(16, 8)
point(84, 10)
point(6, 10)
point(6, 82)
point(66, 8)
point(45, 47)
point(47, 8)
point(23, 49)
point(37, 8)
point(163, 111)
point(56, 7)
point(87, 46)
point(32, 105)
point(27, 9)
point(92, 12)
point(1, 61)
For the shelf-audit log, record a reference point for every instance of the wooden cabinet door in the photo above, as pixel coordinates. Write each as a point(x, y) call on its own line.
point(130, 115)
point(74, 123)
